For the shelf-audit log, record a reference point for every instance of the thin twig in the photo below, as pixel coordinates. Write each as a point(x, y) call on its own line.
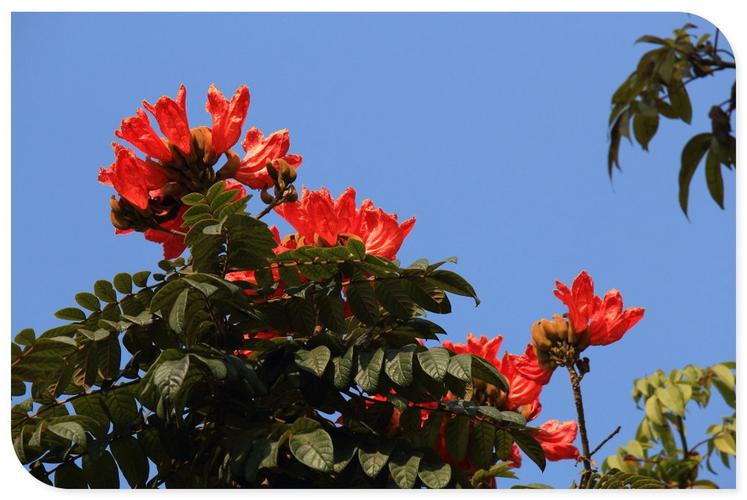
point(604, 441)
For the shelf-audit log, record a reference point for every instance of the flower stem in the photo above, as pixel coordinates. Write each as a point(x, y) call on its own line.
point(586, 457)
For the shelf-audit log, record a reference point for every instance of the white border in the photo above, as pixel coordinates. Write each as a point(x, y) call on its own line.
point(728, 16)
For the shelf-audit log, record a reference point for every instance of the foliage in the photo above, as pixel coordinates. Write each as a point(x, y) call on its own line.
point(657, 88)
point(297, 411)
point(660, 449)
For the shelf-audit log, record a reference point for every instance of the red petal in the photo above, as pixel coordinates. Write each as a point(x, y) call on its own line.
point(172, 119)
point(137, 131)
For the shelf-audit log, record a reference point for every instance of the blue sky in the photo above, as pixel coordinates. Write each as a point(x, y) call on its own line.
point(489, 128)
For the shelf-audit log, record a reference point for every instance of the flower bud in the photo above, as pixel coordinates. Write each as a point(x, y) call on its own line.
point(266, 197)
point(231, 166)
point(273, 173)
point(291, 194)
point(287, 173)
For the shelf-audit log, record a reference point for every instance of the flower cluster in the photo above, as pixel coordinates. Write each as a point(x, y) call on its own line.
point(591, 320)
point(183, 161)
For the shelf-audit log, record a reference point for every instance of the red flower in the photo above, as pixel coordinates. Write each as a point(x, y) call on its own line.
point(605, 318)
point(322, 221)
point(172, 119)
point(173, 243)
point(137, 131)
point(132, 177)
point(557, 438)
point(228, 116)
point(259, 151)
point(528, 366)
point(523, 392)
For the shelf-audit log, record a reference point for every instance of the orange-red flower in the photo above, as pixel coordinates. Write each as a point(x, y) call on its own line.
point(557, 438)
point(605, 318)
point(182, 162)
point(523, 394)
point(528, 366)
point(322, 221)
point(172, 119)
point(228, 116)
point(132, 177)
point(260, 150)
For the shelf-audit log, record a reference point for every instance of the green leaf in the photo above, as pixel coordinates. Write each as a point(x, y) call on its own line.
point(70, 314)
point(369, 370)
point(725, 443)
point(177, 316)
point(373, 459)
point(453, 283)
point(314, 361)
point(105, 291)
point(482, 370)
point(123, 283)
point(680, 101)
point(671, 397)
point(460, 367)
point(101, 472)
point(313, 449)
point(532, 448)
point(435, 476)
point(398, 365)
point(72, 431)
point(503, 444)
point(457, 437)
point(141, 278)
point(131, 460)
point(109, 355)
point(482, 439)
point(121, 406)
point(725, 375)
point(644, 128)
point(713, 178)
point(394, 298)
point(692, 154)
point(343, 367)
point(434, 362)
point(404, 469)
point(26, 337)
point(653, 411)
point(69, 476)
point(362, 301)
point(193, 199)
point(88, 300)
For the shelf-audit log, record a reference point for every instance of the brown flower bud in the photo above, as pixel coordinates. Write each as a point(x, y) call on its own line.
point(266, 197)
point(291, 194)
point(119, 222)
point(287, 173)
point(272, 171)
point(202, 143)
point(231, 166)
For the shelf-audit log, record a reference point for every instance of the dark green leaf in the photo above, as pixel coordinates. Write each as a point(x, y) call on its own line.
point(692, 154)
point(69, 476)
point(713, 178)
point(70, 314)
point(435, 476)
point(131, 460)
point(105, 291)
point(123, 283)
point(88, 300)
point(314, 361)
point(101, 472)
point(313, 449)
point(434, 362)
point(404, 469)
point(532, 448)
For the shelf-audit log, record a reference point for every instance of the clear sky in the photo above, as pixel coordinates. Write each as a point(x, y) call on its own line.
point(489, 128)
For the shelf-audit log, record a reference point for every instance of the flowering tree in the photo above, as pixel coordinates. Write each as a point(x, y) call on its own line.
point(262, 360)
